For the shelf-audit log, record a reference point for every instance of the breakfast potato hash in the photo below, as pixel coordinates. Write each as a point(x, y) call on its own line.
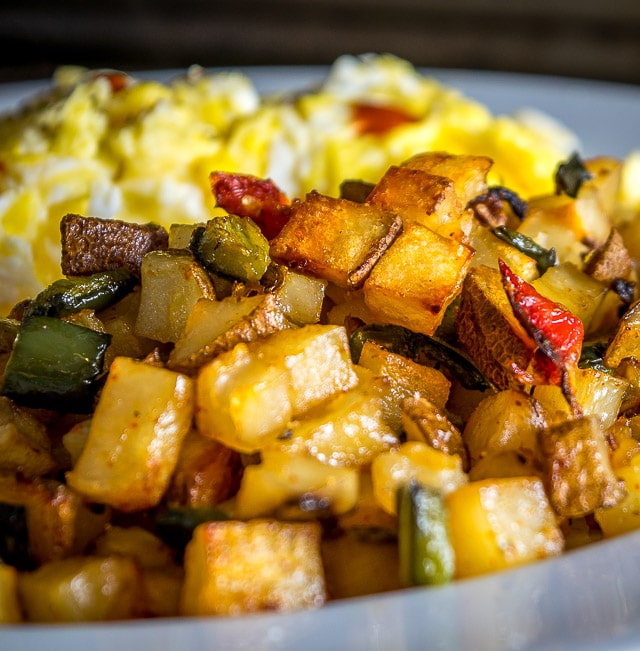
point(240, 394)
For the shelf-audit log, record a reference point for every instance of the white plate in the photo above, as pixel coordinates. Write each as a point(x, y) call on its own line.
point(588, 599)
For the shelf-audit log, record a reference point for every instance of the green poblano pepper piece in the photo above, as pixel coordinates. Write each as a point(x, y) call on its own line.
point(232, 246)
point(55, 365)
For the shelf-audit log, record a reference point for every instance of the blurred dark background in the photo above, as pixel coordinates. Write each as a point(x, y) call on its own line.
point(578, 38)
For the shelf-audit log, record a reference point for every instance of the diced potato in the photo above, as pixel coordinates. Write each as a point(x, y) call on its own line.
point(207, 473)
point(414, 460)
point(246, 397)
point(75, 439)
point(598, 393)
point(418, 196)
point(495, 524)
point(489, 249)
point(301, 297)
point(172, 282)
point(284, 478)
point(10, 608)
point(213, 327)
point(82, 589)
point(555, 221)
point(509, 420)
point(335, 239)
point(405, 378)
point(507, 463)
point(162, 589)
point(468, 172)
point(417, 278)
point(424, 421)
point(625, 515)
point(348, 430)
point(234, 568)
point(577, 470)
point(488, 329)
point(626, 340)
point(606, 178)
point(373, 564)
point(25, 446)
point(137, 429)
point(59, 522)
point(575, 290)
point(610, 261)
point(134, 542)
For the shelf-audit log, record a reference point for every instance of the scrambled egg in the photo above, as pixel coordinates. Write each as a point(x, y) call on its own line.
point(144, 152)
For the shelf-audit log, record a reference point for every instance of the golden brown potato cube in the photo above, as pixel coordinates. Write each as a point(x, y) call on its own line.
point(509, 420)
point(235, 568)
point(417, 279)
point(335, 239)
point(59, 523)
point(598, 393)
point(172, 282)
point(610, 261)
point(414, 461)
point(91, 244)
point(626, 339)
point(405, 378)
point(294, 480)
point(606, 176)
point(213, 327)
point(577, 469)
point(10, 608)
point(348, 430)
point(495, 524)
point(625, 515)
point(418, 196)
point(424, 421)
point(468, 172)
point(207, 473)
point(247, 396)
point(143, 414)
point(82, 589)
point(301, 296)
point(488, 329)
point(25, 446)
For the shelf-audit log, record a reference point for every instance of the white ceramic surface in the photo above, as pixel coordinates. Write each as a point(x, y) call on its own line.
point(586, 600)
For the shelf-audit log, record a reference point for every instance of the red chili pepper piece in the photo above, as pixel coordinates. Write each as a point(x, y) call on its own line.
point(249, 196)
point(557, 335)
point(118, 80)
point(378, 120)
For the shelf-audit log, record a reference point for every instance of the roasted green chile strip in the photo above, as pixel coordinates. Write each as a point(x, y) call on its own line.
point(426, 554)
point(55, 365)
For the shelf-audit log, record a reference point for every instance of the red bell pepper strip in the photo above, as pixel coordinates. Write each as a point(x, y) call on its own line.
point(250, 196)
point(557, 336)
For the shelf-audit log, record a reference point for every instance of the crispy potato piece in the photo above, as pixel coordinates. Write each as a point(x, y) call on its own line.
point(405, 378)
point(213, 327)
point(91, 244)
point(488, 329)
point(610, 261)
point(207, 473)
point(424, 421)
point(25, 446)
point(172, 283)
point(418, 196)
point(247, 396)
point(136, 433)
point(468, 172)
point(626, 339)
point(59, 522)
point(509, 420)
point(348, 430)
point(335, 239)
point(288, 479)
point(577, 470)
point(605, 181)
point(414, 460)
point(499, 523)
point(82, 589)
point(417, 279)
point(234, 568)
